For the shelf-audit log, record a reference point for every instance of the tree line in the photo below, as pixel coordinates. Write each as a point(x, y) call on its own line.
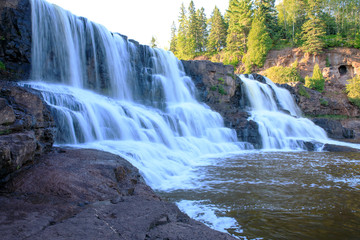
point(250, 28)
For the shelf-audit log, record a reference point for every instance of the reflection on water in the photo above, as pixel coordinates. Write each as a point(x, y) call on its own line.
point(301, 195)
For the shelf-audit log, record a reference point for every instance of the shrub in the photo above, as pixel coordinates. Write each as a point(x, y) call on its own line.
point(303, 92)
point(324, 102)
point(279, 74)
point(213, 88)
point(317, 81)
point(353, 90)
point(221, 90)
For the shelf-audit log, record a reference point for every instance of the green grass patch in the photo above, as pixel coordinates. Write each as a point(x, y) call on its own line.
point(324, 102)
point(303, 92)
point(335, 117)
point(2, 66)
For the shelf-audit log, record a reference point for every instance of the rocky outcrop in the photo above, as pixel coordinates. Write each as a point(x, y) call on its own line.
point(337, 64)
point(15, 39)
point(26, 127)
point(221, 89)
point(334, 128)
point(88, 194)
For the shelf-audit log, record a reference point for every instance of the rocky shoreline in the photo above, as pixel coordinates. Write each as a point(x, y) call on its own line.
point(89, 194)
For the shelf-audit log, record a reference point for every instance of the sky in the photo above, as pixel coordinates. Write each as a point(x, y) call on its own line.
point(138, 19)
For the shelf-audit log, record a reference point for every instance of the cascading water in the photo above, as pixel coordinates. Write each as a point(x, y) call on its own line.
point(149, 116)
point(279, 118)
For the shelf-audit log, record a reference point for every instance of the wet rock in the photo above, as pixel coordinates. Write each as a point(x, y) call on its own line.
point(27, 129)
point(334, 128)
point(337, 148)
point(75, 194)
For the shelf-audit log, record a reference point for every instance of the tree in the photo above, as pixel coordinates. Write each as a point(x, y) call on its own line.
point(182, 34)
point(313, 30)
point(353, 90)
point(317, 81)
point(193, 33)
point(153, 42)
point(259, 44)
point(202, 29)
point(239, 14)
point(217, 36)
point(266, 8)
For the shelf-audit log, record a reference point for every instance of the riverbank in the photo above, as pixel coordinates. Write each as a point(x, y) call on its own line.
point(89, 194)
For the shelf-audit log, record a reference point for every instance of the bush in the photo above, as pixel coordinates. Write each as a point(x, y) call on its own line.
point(353, 90)
point(324, 102)
point(303, 92)
point(317, 81)
point(279, 74)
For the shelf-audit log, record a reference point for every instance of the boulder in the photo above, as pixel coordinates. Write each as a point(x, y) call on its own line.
point(27, 129)
point(334, 128)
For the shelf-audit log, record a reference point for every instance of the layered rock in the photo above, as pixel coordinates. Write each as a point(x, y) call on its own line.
point(26, 127)
point(222, 90)
point(88, 194)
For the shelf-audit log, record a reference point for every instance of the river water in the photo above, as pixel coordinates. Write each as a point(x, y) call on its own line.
point(278, 195)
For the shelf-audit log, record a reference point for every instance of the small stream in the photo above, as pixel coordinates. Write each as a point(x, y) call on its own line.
point(278, 195)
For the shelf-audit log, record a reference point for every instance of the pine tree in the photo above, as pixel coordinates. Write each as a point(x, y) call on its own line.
point(266, 9)
point(259, 43)
point(193, 33)
point(202, 29)
point(217, 36)
point(313, 30)
point(239, 14)
point(182, 34)
point(317, 81)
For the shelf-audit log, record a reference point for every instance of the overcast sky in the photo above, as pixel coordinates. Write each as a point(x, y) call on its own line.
point(137, 19)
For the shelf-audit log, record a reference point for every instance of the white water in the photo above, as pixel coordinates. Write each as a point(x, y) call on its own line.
point(165, 143)
point(279, 118)
point(88, 77)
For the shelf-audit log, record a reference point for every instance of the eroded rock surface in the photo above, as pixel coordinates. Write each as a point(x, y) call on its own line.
point(26, 127)
point(89, 194)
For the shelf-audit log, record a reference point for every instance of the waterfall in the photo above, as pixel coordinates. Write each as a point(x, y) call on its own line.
point(110, 93)
point(279, 118)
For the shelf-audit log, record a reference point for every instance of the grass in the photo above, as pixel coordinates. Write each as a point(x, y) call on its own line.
point(335, 117)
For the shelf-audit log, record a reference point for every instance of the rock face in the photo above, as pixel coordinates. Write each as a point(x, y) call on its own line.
point(15, 39)
point(338, 64)
point(221, 89)
point(88, 194)
point(26, 127)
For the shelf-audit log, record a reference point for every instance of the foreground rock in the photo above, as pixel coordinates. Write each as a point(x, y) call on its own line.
point(88, 194)
point(26, 127)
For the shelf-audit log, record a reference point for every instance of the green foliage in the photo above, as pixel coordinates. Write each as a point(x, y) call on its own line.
point(327, 62)
point(213, 88)
point(2, 66)
point(279, 74)
point(221, 80)
point(324, 102)
point(317, 81)
point(258, 45)
point(303, 92)
point(217, 36)
point(173, 38)
point(338, 117)
point(353, 90)
point(221, 90)
point(312, 34)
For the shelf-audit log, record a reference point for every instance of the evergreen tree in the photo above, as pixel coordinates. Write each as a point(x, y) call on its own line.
point(266, 9)
point(173, 38)
point(181, 46)
point(317, 81)
point(239, 14)
point(259, 43)
point(193, 33)
point(217, 36)
point(313, 30)
point(202, 29)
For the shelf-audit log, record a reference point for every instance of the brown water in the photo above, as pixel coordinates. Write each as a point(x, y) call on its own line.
point(271, 195)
